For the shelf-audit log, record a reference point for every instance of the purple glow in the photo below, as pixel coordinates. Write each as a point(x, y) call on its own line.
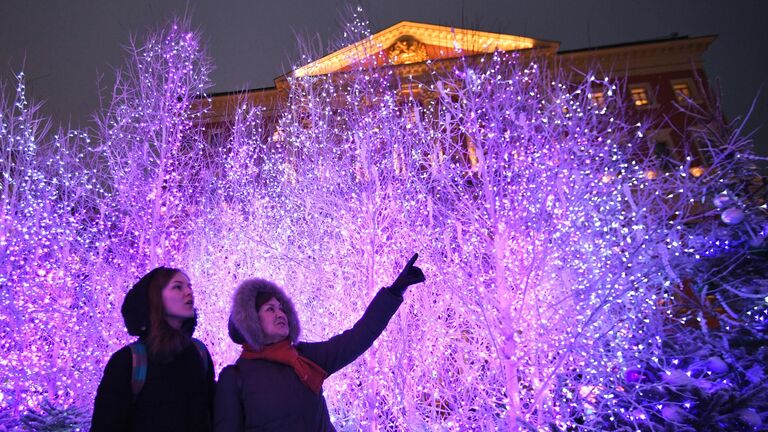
point(554, 259)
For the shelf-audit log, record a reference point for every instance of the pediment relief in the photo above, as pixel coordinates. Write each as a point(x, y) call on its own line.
point(408, 42)
point(407, 49)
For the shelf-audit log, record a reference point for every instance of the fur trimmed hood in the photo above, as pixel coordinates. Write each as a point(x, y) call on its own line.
point(244, 324)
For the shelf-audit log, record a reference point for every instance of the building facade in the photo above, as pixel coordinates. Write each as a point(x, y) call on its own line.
point(659, 74)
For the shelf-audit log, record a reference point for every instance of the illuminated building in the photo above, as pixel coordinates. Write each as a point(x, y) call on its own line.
point(658, 73)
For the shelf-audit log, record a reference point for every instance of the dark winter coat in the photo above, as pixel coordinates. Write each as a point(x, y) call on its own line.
point(176, 396)
point(259, 395)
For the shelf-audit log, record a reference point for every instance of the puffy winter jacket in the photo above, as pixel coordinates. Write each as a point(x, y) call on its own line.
point(259, 395)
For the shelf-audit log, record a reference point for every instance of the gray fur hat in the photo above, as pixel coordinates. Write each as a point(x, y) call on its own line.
point(244, 324)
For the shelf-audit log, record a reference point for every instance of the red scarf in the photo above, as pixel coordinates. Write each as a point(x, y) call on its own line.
point(308, 371)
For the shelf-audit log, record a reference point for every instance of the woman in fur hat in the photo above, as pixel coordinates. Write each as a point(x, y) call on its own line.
point(276, 385)
point(163, 381)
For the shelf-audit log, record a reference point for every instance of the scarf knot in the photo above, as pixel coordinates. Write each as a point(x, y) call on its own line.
point(308, 372)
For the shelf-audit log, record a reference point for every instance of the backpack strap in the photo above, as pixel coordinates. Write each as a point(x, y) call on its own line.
point(139, 361)
point(139, 372)
point(201, 348)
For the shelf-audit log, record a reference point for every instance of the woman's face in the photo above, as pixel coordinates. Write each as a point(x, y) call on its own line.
point(178, 301)
point(273, 321)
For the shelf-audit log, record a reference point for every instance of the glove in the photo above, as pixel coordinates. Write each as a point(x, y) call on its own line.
point(409, 276)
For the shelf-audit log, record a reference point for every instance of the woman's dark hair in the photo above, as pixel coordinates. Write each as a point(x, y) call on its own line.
point(164, 341)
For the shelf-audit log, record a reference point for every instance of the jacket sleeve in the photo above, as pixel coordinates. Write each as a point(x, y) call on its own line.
point(112, 408)
point(227, 403)
point(343, 349)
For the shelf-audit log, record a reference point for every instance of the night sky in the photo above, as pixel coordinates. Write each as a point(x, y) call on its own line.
point(68, 49)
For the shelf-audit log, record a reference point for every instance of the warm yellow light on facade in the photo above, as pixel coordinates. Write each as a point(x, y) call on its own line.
point(472, 153)
point(696, 171)
point(651, 174)
point(640, 96)
point(682, 91)
point(597, 98)
point(446, 38)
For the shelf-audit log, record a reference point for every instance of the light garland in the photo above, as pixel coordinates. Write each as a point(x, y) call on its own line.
point(553, 259)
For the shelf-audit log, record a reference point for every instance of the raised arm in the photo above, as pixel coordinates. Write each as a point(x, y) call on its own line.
point(343, 349)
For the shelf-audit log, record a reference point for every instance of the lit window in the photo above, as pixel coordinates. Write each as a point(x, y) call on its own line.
point(683, 90)
point(640, 96)
point(597, 99)
point(697, 171)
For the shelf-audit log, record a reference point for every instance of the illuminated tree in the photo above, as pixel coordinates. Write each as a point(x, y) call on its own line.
point(557, 241)
point(235, 238)
point(71, 249)
point(50, 230)
point(526, 180)
point(357, 213)
point(154, 147)
point(567, 266)
point(710, 374)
